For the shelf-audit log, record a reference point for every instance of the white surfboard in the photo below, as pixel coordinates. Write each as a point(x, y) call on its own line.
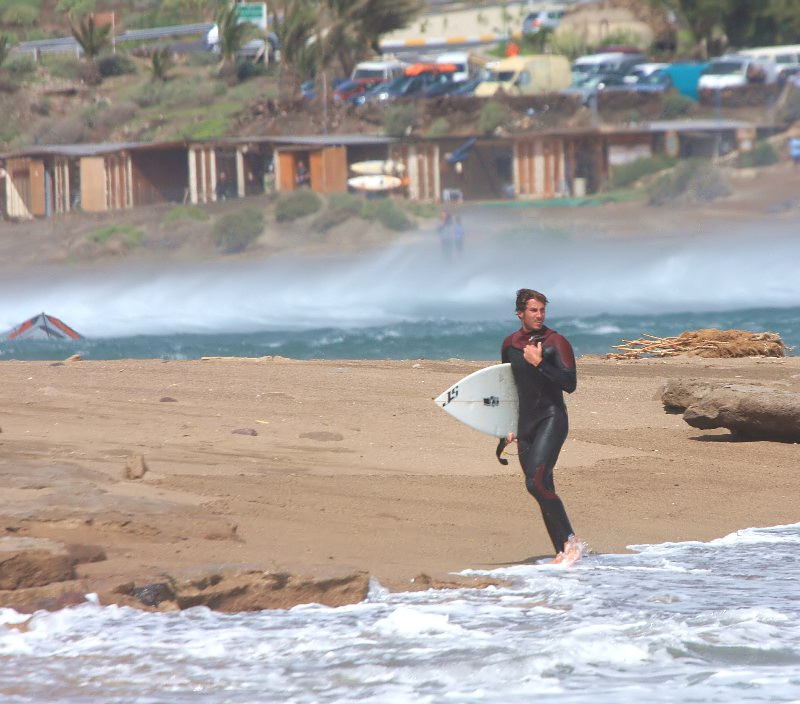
point(378, 167)
point(375, 182)
point(486, 400)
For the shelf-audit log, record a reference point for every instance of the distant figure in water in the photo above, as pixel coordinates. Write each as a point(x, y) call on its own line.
point(445, 230)
point(458, 234)
point(543, 364)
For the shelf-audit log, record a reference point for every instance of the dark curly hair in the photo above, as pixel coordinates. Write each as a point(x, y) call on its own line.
point(525, 294)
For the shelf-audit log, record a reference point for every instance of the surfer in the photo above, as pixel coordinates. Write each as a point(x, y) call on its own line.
point(543, 364)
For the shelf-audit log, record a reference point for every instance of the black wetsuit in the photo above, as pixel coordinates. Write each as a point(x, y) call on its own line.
point(543, 421)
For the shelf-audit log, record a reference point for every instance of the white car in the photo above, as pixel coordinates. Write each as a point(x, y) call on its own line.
point(641, 72)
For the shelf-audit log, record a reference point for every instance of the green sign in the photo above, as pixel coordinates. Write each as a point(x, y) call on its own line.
point(253, 12)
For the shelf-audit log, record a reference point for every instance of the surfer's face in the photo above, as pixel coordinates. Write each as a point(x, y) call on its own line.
point(532, 317)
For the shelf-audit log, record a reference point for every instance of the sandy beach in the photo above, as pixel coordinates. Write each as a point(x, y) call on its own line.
point(324, 468)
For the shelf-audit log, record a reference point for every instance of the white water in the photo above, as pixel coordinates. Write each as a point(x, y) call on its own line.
point(412, 281)
point(683, 622)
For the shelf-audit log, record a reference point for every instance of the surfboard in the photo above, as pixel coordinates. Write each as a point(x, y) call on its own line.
point(485, 400)
point(374, 182)
point(378, 167)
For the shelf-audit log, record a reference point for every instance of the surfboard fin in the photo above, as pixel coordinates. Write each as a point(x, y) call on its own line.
point(499, 451)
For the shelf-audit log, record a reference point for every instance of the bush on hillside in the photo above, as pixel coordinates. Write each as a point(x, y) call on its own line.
point(129, 235)
point(386, 211)
point(116, 65)
point(297, 204)
point(675, 105)
point(626, 174)
point(400, 120)
point(493, 115)
point(763, 154)
point(695, 180)
point(236, 231)
point(790, 110)
point(184, 213)
point(341, 207)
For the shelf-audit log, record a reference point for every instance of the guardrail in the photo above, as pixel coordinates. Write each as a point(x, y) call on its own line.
point(64, 44)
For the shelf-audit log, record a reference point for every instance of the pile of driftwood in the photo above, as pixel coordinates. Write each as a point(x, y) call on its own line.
point(703, 343)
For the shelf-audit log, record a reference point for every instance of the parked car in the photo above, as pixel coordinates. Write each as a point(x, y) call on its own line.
point(605, 63)
point(640, 72)
point(349, 88)
point(735, 70)
point(588, 88)
point(542, 19)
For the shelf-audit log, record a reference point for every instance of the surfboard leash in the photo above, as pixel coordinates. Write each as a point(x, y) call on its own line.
point(499, 451)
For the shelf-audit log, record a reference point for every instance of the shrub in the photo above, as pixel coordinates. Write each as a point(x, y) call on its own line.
point(764, 154)
point(235, 231)
point(493, 115)
point(439, 128)
point(341, 207)
point(183, 213)
point(132, 236)
point(116, 65)
point(297, 204)
point(20, 15)
point(625, 174)
point(400, 120)
point(675, 105)
point(20, 66)
point(790, 111)
point(385, 211)
point(695, 179)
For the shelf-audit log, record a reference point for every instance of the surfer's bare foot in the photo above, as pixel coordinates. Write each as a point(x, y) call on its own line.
point(572, 552)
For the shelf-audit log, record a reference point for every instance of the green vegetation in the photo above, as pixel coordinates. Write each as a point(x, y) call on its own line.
point(388, 213)
point(439, 127)
point(763, 154)
point(184, 213)
point(675, 105)
point(400, 120)
point(130, 235)
point(340, 208)
point(297, 204)
point(695, 180)
point(493, 115)
point(626, 174)
point(236, 231)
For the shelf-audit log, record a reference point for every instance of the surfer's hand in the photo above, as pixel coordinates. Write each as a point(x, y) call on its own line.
point(510, 438)
point(533, 353)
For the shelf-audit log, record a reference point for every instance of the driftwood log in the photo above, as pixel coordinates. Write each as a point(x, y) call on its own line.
point(703, 343)
point(749, 411)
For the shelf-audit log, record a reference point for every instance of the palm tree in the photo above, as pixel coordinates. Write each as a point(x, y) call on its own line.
point(92, 39)
point(4, 48)
point(232, 37)
point(160, 63)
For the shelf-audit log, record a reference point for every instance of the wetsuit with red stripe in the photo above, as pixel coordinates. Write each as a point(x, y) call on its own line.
point(543, 423)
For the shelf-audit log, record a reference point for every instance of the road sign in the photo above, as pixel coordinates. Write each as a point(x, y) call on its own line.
point(253, 12)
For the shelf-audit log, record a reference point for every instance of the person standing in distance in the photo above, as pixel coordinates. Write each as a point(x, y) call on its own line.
point(543, 365)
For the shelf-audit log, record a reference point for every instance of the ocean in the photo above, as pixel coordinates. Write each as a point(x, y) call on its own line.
point(673, 623)
point(415, 300)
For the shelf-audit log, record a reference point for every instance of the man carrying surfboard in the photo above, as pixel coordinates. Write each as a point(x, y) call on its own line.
point(543, 365)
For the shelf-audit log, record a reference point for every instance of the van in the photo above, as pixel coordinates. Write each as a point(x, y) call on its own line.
point(786, 58)
point(377, 71)
point(526, 75)
point(467, 65)
point(734, 70)
point(604, 64)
